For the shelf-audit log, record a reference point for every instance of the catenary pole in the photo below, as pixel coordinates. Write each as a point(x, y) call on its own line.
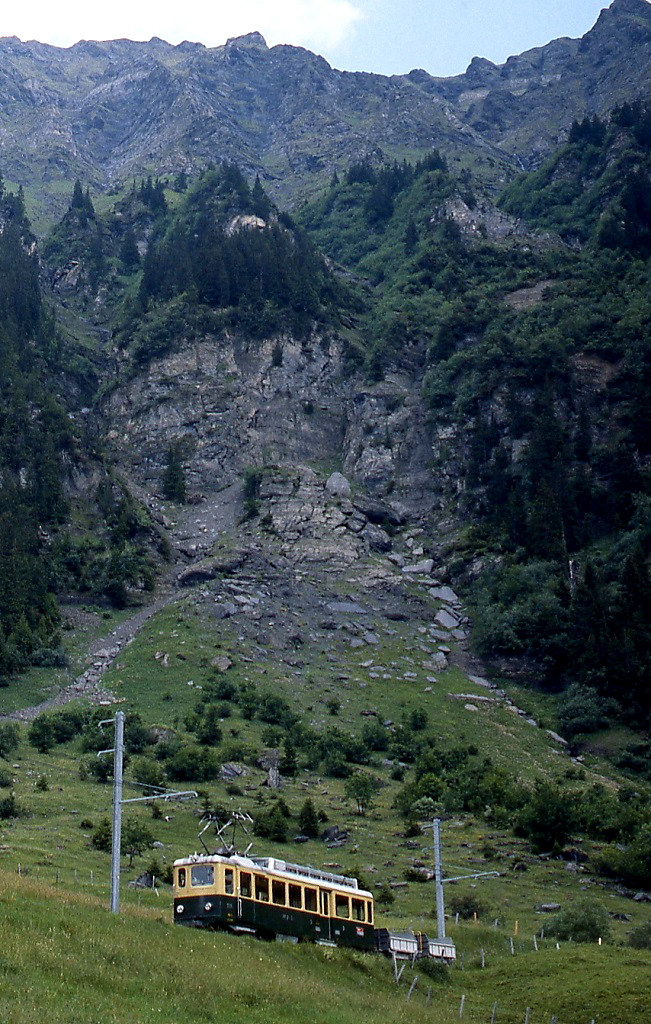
point(438, 874)
point(117, 811)
point(118, 765)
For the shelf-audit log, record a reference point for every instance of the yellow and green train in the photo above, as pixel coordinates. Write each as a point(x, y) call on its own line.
point(271, 898)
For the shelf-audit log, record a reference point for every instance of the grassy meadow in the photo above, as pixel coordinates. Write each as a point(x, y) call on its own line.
point(64, 954)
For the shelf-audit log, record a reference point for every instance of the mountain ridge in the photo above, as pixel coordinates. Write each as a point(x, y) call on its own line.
point(106, 112)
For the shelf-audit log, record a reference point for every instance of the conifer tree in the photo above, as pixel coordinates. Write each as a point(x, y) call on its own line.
point(174, 477)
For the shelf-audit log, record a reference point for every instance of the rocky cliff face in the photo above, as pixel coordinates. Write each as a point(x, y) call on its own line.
point(107, 112)
point(286, 411)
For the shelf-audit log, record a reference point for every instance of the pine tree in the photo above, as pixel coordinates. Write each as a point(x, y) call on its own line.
point(308, 821)
point(174, 477)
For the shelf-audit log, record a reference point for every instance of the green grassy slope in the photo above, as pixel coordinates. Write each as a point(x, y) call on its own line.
point(67, 958)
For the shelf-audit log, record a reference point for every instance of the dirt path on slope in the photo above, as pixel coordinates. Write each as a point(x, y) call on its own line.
point(102, 653)
point(192, 532)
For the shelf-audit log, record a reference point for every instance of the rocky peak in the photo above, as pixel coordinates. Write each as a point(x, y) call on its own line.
point(285, 114)
point(255, 39)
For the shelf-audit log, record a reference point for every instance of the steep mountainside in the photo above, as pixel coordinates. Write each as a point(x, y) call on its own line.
point(273, 482)
point(106, 112)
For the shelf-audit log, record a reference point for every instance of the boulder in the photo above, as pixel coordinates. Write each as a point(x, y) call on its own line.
point(422, 568)
point(445, 594)
point(377, 511)
point(338, 485)
point(196, 574)
point(376, 538)
point(221, 663)
point(446, 619)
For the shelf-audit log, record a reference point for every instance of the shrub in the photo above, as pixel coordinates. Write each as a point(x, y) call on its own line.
point(10, 808)
point(548, 817)
point(466, 906)
point(192, 762)
point(101, 836)
point(582, 922)
point(135, 839)
point(640, 938)
point(148, 772)
point(581, 709)
point(435, 970)
point(41, 734)
point(271, 824)
point(633, 863)
point(385, 895)
point(9, 738)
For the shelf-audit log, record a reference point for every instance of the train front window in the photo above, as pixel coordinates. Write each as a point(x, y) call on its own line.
point(342, 905)
point(262, 888)
point(295, 896)
point(278, 893)
point(229, 887)
point(181, 878)
point(358, 910)
point(245, 884)
point(310, 899)
point(202, 874)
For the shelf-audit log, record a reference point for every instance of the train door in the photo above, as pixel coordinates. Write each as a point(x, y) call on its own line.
point(230, 900)
point(325, 909)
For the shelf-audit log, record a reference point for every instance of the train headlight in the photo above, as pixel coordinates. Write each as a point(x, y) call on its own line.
point(180, 908)
point(207, 906)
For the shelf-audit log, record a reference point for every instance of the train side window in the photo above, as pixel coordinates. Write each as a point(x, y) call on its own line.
point(181, 878)
point(342, 905)
point(202, 874)
point(369, 912)
point(245, 883)
point(295, 896)
point(358, 910)
point(278, 892)
point(325, 903)
point(310, 899)
point(229, 887)
point(262, 888)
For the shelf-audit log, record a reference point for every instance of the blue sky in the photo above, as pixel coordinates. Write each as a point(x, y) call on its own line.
point(384, 36)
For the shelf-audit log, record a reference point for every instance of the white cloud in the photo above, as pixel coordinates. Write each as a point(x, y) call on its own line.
point(316, 24)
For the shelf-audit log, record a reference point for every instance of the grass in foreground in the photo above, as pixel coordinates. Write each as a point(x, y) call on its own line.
point(67, 958)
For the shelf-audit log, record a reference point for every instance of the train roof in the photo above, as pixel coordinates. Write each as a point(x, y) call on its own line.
point(274, 865)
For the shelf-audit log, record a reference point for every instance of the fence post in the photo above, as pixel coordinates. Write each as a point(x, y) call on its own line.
point(535, 943)
point(512, 947)
point(463, 1001)
point(483, 958)
point(493, 1013)
point(527, 1015)
point(412, 987)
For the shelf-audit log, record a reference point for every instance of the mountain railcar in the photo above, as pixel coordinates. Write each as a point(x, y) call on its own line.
point(271, 898)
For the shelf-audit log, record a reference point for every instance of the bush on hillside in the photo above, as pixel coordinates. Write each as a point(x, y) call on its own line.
point(582, 922)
